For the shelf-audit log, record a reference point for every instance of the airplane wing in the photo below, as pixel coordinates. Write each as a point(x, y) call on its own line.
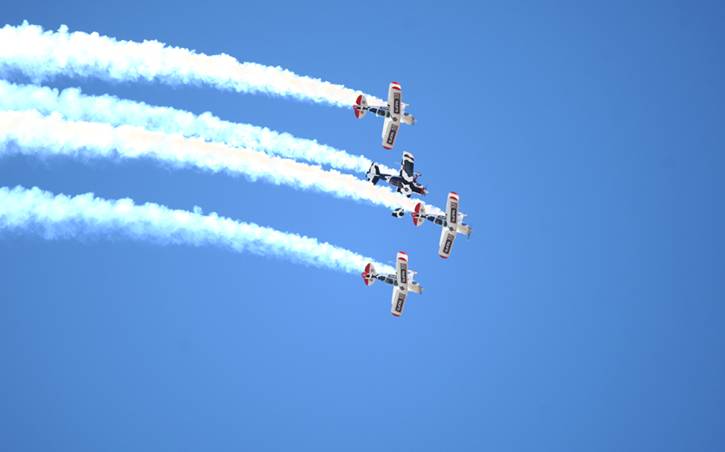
point(395, 110)
point(446, 243)
point(452, 210)
point(400, 292)
point(395, 100)
point(449, 230)
point(398, 301)
point(401, 270)
point(406, 167)
point(390, 132)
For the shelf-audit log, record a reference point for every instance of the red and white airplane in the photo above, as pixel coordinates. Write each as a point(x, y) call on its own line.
point(451, 223)
point(394, 113)
point(402, 282)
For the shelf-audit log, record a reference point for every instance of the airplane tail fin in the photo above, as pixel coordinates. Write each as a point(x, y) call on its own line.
point(415, 287)
point(368, 275)
point(418, 214)
point(466, 229)
point(360, 106)
point(374, 173)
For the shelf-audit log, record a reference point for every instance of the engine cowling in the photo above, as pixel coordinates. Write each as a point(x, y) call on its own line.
point(418, 213)
point(360, 106)
point(368, 275)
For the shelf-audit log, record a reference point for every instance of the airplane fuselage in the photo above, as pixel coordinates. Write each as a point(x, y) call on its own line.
point(403, 185)
point(384, 112)
point(440, 220)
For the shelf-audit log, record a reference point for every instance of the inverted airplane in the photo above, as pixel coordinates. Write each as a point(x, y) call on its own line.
point(394, 113)
point(406, 180)
point(402, 282)
point(451, 223)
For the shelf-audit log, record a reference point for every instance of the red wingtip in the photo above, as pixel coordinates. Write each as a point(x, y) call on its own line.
point(387, 147)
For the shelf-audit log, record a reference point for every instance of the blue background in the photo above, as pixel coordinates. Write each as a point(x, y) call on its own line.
point(585, 313)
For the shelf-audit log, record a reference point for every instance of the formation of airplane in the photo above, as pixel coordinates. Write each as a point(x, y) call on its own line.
point(406, 183)
point(394, 113)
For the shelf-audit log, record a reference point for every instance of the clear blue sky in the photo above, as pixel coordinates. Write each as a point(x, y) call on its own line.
point(585, 313)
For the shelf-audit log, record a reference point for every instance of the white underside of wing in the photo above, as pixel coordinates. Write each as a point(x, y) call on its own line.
point(390, 133)
point(446, 242)
point(398, 301)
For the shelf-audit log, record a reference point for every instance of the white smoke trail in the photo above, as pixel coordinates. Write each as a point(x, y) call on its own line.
point(41, 54)
point(59, 216)
point(72, 104)
point(51, 135)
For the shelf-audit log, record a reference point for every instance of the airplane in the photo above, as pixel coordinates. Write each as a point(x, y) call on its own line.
point(406, 180)
point(402, 282)
point(451, 223)
point(393, 113)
